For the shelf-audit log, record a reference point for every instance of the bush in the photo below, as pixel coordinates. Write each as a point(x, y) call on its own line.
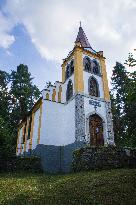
point(90, 158)
point(16, 164)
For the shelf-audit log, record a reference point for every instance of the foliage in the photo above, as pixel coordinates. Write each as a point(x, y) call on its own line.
point(24, 92)
point(123, 101)
point(4, 95)
point(19, 164)
point(48, 84)
point(131, 62)
point(17, 96)
point(6, 148)
point(87, 188)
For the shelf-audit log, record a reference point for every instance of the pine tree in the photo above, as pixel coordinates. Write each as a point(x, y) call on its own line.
point(123, 99)
point(23, 92)
point(6, 140)
point(17, 96)
point(4, 95)
point(131, 62)
point(6, 147)
point(130, 107)
point(118, 100)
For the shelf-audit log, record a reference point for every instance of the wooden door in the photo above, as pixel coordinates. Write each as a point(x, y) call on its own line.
point(96, 130)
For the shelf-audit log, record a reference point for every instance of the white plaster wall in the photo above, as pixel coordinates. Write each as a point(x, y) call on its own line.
point(35, 131)
point(27, 145)
point(58, 123)
point(22, 149)
point(86, 76)
point(89, 109)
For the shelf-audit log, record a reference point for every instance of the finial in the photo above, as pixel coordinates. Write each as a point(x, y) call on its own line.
point(80, 23)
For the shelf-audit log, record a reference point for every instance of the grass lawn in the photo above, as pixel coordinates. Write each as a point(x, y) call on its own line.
point(98, 187)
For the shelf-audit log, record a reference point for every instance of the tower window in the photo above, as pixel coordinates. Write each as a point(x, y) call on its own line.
point(67, 71)
point(87, 64)
point(70, 69)
point(69, 92)
point(93, 87)
point(96, 67)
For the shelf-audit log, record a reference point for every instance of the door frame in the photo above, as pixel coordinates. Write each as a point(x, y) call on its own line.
point(88, 130)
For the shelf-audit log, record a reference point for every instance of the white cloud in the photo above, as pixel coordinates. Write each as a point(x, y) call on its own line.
point(6, 39)
point(53, 26)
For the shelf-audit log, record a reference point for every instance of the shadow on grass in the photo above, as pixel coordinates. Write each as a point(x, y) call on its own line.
point(88, 188)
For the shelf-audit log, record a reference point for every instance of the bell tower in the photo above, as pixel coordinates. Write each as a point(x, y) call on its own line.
point(86, 59)
point(84, 70)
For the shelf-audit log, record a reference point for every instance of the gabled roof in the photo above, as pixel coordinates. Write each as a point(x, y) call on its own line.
point(81, 37)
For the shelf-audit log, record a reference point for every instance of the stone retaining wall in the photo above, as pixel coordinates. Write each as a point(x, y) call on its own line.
point(90, 158)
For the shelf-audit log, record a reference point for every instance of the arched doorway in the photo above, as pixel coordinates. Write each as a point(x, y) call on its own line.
point(96, 130)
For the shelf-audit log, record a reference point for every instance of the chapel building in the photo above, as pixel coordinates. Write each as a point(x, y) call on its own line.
point(76, 109)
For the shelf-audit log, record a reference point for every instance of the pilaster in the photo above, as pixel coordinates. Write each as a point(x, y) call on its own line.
point(104, 79)
point(78, 70)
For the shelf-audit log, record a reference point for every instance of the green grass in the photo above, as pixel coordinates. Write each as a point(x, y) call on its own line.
point(99, 187)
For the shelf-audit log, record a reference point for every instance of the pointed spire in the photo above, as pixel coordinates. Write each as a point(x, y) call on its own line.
point(81, 37)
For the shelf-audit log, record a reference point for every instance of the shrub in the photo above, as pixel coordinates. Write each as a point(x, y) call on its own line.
point(16, 164)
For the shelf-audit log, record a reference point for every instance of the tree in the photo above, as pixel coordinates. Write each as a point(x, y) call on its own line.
point(131, 62)
point(118, 99)
point(4, 95)
point(23, 92)
point(17, 96)
point(6, 140)
point(123, 100)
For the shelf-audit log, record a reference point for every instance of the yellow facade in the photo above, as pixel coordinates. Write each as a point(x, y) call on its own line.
point(78, 70)
point(26, 134)
point(47, 96)
point(39, 127)
point(53, 95)
point(31, 132)
point(104, 79)
point(78, 53)
point(63, 72)
point(59, 94)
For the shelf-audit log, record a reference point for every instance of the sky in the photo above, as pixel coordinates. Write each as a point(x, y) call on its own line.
point(40, 33)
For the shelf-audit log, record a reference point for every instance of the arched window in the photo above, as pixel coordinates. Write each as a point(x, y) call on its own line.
point(96, 67)
point(93, 87)
point(69, 92)
point(71, 67)
point(67, 71)
point(87, 64)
